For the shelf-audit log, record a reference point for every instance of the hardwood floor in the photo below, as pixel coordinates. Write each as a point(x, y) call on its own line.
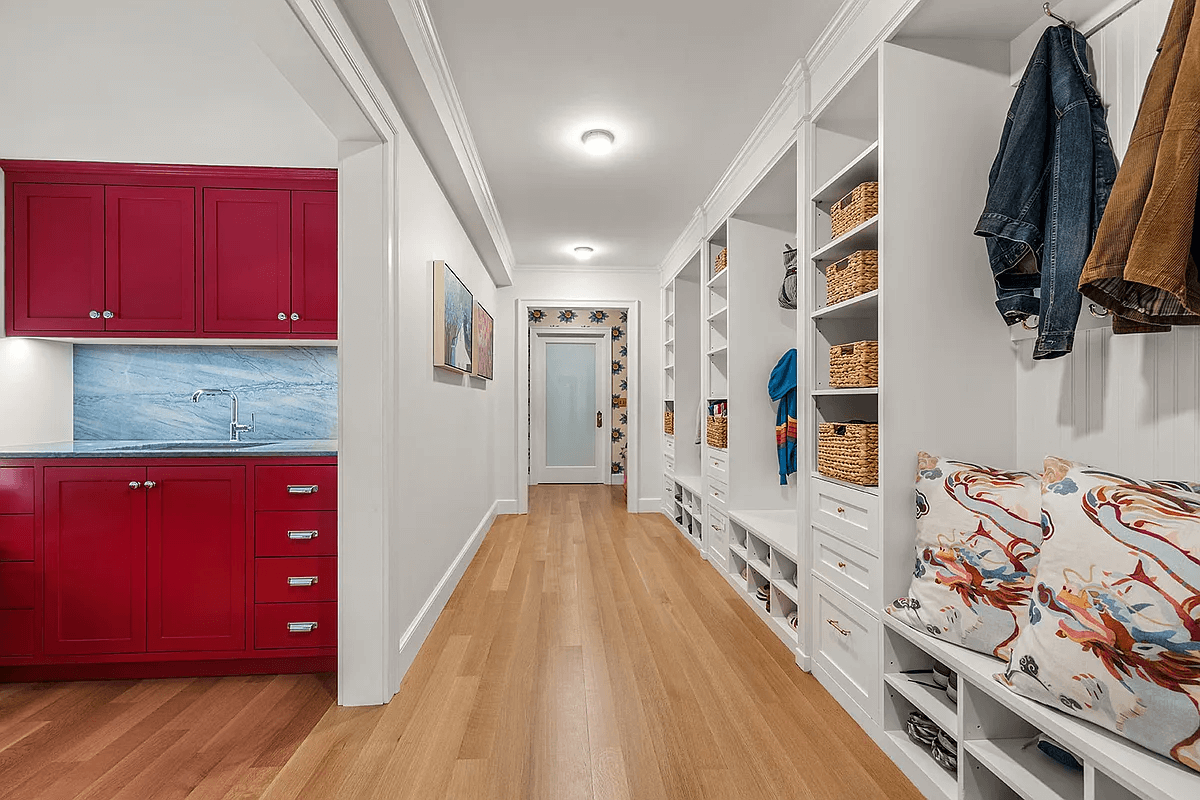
point(586, 654)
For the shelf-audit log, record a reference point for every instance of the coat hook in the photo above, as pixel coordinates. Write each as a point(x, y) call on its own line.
point(1098, 313)
point(1052, 15)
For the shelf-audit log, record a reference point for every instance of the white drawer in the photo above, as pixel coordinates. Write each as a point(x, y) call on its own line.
point(669, 464)
point(854, 571)
point(669, 445)
point(847, 646)
point(718, 492)
point(717, 536)
point(717, 464)
point(849, 513)
point(668, 488)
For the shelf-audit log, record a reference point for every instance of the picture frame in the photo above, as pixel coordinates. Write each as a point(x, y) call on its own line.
point(453, 320)
point(483, 340)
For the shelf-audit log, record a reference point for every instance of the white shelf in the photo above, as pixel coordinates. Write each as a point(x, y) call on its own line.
point(740, 551)
point(847, 484)
point(860, 390)
point(669, 367)
point(720, 277)
point(718, 315)
point(864, 167)
point(761, 567)
point(790, 590)
point(669, 342)
point(719, 351)
point(670, 317)
point(864, 306)
point(863, 237)
point(773, 527)
point(1026, 770)
point(929, 700)
point(689, 482)
point(784, 630)
point(946, 783)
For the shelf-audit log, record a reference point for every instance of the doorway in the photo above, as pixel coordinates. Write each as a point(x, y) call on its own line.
point(569, 405)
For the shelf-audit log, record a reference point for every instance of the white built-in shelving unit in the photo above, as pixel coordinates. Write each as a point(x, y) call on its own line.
point(683, 490)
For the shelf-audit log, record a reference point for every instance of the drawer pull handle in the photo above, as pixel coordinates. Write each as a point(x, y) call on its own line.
point(837, 627)
point(306, 580)
point(302, 534)
point(301, 627)
point(841, 565)
point(311, 489)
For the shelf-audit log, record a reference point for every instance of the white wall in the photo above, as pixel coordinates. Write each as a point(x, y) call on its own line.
point(147, 81)
point(445, 421)
point(582, 287)
point(35, 391)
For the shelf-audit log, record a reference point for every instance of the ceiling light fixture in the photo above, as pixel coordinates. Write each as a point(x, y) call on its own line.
point(583, 253)
point(598, 141)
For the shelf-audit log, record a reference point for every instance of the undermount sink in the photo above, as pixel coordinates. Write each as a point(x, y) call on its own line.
point(190, 446)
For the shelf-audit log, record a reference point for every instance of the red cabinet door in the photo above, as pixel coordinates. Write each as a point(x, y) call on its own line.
point(314, 263)
point(196, 551)
point(95, 560)
point(247, 260)
point(58, 258)
point(150, 258)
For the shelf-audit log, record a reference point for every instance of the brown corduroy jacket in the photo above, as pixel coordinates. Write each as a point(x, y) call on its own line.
point(1143, 264)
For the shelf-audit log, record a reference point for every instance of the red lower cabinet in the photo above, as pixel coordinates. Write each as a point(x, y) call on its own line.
point(196, 558)
point(95, 560)
point(295, 625)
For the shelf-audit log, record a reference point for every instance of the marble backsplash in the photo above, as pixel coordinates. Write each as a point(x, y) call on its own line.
point(144, 392)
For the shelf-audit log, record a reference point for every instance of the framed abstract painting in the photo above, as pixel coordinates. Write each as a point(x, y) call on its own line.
point(482, 358)
point(453, 320)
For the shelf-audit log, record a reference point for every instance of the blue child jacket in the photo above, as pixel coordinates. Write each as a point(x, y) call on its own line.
point(782, 387)
point(1047, 190)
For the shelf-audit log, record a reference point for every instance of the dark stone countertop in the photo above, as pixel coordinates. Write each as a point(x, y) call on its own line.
point(107, 449)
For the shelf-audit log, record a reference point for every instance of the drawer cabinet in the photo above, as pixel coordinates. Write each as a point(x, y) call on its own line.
point(16, 490)
point(718, 492)
point(847, 646)
point(847, 513)
point(16, 537)
point(295, 533)
point(852, 570)
point(295, 625)
point(298, 488)
point(295, 580)
point(717, 464)
point(718, 534)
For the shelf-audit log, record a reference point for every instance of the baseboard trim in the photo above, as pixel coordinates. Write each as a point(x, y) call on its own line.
point(616, 480)
point(649, 505)
point(414, 637)
point(508, 507)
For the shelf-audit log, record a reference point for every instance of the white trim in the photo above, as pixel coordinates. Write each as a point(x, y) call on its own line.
point(508, 507)
point(601, 341)
point(414, 637)
point(653, 505)
point(422, 37)
point(836, 28)
point(616, 479)
point(521, 383)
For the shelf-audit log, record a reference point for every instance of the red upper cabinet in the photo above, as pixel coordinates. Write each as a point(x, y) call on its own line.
point(196, 571)
point(95, 560)
point(150, 258)
point(314, 308)
point(247, 260)
point(56, 253)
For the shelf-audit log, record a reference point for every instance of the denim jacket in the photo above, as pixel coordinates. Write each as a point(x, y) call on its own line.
point(1047, 191)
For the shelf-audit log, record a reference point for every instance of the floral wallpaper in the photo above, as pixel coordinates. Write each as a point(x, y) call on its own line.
point(617, 320)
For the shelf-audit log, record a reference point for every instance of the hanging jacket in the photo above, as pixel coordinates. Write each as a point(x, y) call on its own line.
point(782, 388)
point(1143, 267)
point(1047, 190)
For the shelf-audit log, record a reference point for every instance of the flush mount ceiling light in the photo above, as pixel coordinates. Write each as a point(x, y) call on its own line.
point(583, 253)
point(598, 141)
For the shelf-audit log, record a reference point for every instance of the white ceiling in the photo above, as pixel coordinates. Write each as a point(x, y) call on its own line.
point(682, 83)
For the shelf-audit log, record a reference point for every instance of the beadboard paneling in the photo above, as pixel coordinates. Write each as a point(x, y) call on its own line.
point(1128, 403)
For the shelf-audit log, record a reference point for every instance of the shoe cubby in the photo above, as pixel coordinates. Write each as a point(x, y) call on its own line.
point(759, 554)
point(739, 571)
point(784, 574)
point(784, 606)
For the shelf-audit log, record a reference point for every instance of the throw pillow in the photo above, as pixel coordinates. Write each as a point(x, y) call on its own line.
point(1114, 627)
point(978, 536)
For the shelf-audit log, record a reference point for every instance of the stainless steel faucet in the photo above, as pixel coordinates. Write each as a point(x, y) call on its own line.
point(236, 429)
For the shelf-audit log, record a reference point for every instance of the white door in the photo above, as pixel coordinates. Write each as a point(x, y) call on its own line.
point(569, 407)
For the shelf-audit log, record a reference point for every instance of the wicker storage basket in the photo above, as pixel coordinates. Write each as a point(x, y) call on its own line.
point(722, 261)
point(857, 273)
point(669, 422)
point(849, 451)
point(854, 365)
point(718, 432)
point(855, 208)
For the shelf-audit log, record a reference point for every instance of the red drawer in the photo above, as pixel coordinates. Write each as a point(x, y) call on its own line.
point(293, 533)
point(16, 537)
point(298, 488)
point(271, 625)
point(18, 632)
point(17, 585)
point(295, 580)
point(16, 490)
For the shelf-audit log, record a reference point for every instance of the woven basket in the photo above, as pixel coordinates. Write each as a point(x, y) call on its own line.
point(718, 432)
point(849, 451)
point(854, 365)
point(857, 273)
point(669, 422)
point(855, 208)
point(722, 261)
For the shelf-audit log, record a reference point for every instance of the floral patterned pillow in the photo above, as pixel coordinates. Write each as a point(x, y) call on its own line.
point(1114, 626)
point(978, 536)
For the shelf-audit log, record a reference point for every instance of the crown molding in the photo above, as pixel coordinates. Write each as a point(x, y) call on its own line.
point(843, 18)
point(435, 69)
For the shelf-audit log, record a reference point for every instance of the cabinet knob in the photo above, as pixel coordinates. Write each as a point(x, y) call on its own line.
point(150, 484)
point(282, 317)
point(107, 315)
point(837, 627)
point(295, 316)
point(841, 510)
point(94, 314)
point(135, 484)
point(841, 565)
